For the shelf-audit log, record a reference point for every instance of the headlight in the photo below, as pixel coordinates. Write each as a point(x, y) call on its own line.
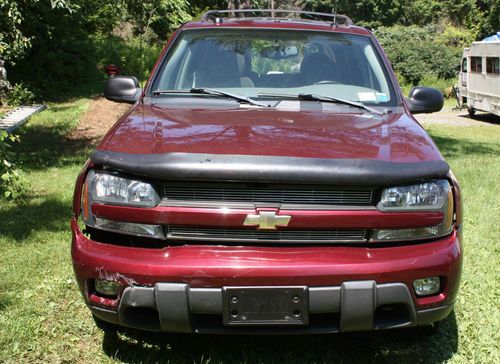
point(430, 196)
point(115, 190)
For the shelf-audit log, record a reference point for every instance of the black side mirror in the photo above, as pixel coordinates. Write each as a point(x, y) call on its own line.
point(122, 89)
point(424, 100)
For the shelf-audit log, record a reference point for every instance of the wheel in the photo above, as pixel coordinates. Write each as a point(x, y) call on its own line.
point(471, 111)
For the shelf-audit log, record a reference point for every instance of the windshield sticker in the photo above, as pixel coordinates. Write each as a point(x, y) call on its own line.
point(381, 97)
point(367, 96)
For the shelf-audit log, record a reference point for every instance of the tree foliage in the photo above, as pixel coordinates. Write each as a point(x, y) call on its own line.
point(418, 51)
point(162, 16)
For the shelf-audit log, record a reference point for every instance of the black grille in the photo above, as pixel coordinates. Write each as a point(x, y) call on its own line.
point(246, 234)
point(307, 195)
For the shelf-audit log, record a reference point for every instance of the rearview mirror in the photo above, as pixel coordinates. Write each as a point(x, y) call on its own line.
point(122, 89)
point(424, 100)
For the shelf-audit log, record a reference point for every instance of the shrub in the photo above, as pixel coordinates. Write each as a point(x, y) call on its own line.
point(52, 71)
point(13, 184)
point(21, 94)
point(135, 58)
point(419, 51)
point(441, 84)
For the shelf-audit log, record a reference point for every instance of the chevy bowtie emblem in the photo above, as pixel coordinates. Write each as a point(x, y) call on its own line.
point(266, 220)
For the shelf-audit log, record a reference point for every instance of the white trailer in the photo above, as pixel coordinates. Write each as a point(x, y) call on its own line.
point(479, 78)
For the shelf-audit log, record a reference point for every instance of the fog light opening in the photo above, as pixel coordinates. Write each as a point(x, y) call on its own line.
point(427, 286)
point(106, 288)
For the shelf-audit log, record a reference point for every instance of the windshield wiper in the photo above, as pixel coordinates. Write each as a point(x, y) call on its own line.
point(323, 98)
point(211, 91)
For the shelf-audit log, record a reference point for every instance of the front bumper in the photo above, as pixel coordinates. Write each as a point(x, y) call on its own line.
point(178, 289)
point(354, 306)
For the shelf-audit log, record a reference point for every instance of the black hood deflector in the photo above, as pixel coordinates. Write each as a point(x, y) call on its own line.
point(253, 168)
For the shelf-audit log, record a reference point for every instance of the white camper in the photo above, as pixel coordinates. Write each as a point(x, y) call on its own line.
point(479, 79)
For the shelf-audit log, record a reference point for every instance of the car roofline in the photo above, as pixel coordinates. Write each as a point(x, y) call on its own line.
point(334, 19)
point(247, 18)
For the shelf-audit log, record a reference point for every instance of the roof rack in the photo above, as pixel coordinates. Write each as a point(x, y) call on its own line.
point(336, 19)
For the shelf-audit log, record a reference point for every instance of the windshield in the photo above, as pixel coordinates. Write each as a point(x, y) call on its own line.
point(263, 63)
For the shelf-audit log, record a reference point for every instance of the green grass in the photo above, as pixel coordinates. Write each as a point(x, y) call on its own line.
point(43, 318)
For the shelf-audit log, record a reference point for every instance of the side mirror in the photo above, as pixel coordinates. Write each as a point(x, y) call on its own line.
point(122, 89)
point(424, 100)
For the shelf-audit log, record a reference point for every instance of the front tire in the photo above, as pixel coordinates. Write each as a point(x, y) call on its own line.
point(471, 111)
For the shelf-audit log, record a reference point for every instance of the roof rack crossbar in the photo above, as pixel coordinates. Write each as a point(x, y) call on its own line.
point(336, 18)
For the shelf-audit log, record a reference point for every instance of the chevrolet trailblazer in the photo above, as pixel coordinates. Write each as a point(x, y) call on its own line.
point(269, 178)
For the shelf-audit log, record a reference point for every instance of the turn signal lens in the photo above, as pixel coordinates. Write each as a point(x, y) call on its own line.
point(153, 231)
point(411, 234)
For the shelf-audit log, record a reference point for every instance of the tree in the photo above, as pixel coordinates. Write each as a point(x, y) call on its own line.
point(239, 4)
point(162, 16)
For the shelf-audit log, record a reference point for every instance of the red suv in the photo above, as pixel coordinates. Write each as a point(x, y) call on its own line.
point(270, 177)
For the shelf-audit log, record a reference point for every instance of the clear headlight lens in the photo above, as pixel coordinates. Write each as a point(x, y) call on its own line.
point(114, 190)
point(430, 195)
point(110, 189)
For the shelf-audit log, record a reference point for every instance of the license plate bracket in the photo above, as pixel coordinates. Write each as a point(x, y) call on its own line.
point(265, 305)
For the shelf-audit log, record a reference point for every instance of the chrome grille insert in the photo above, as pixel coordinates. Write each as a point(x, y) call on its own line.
point(280, 194)
point(278, 236)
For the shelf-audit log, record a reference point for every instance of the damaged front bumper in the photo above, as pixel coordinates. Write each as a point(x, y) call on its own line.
point(181, 288)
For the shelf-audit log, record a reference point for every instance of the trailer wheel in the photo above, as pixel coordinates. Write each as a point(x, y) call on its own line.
point(471, 111)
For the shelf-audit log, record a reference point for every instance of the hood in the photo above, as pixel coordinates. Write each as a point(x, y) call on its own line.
point(287, 131)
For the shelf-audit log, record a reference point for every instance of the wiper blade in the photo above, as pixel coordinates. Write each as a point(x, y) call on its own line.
point(238, 97)
point(278, 96)
point(324, 98)
point(211, 91)
point(165, 92)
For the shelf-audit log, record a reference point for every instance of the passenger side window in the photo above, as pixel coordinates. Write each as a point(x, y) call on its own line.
point(493, 65)
point(464, 65)
point(476, 64)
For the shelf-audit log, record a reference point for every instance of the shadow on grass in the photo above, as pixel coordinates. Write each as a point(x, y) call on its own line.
point(5, 300)
point(43, 147)
point(454, 147)
point(398, 346)
point(19, 222)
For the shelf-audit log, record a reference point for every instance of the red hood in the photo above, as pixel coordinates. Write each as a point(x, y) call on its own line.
point(155, 129)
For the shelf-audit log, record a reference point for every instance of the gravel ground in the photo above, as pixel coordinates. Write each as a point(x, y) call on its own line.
point(451, 116)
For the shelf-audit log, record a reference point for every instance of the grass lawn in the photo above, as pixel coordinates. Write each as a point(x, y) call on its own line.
point(43, 317)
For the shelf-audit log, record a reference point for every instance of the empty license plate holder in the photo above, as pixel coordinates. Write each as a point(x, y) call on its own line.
point(265, 305)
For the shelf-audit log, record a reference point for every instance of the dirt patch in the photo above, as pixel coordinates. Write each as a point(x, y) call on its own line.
point(99, 118)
